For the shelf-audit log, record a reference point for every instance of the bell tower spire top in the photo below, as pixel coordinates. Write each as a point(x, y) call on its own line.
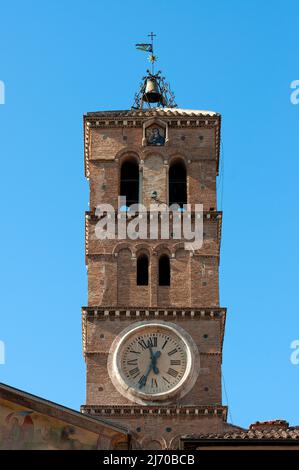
point(152, 58)
point(153, 88)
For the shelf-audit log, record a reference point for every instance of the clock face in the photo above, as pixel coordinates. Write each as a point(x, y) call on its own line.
point(152, 360)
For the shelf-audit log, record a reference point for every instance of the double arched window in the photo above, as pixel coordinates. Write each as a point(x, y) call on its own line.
point(129, 181)
point(177, 184)
point(142, 275)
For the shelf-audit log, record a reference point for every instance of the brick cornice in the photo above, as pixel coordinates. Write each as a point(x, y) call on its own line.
point(124, 411)
point(208, 215)
point(136, 311)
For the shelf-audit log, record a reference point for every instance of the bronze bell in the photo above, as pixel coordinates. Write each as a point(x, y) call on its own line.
point(152, 93)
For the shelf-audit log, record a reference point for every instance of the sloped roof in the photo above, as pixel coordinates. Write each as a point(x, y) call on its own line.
point(267, 430)
point(54, 410)
point(291, 433)
point(170, 112)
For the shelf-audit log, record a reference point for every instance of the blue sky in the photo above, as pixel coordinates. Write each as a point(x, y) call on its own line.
point(60, 59)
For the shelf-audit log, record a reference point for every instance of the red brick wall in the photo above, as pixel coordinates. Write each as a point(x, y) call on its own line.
point(194, 278)
point(107, 154)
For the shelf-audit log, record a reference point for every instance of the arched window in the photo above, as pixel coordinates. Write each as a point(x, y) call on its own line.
point(129, 182)
point(164, 271)
point(177, 183)
point(142, 270)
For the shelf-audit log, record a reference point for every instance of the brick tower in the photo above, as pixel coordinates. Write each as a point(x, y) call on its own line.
point(168, 155)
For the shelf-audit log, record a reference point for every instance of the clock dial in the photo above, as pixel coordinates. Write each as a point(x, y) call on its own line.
point(152, 361)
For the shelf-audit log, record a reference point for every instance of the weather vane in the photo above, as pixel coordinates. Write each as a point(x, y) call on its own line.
point(153, 88)
point(149, 47)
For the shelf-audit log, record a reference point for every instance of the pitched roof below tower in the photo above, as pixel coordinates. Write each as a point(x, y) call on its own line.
point(30, 422)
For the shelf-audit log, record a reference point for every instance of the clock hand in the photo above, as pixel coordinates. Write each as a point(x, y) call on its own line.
point(154, 357)
point(151, 351)
point(154, 361)
point(144, 378)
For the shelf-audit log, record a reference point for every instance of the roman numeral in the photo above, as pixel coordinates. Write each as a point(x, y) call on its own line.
point(172, 352)
point(175, 362)
point(132, 362)
point(143, 344)
point(165, 344)
point(134, 372)
point(134, 352)
point(142, 380)
point(152, 342)
point(154, 383)
point(172, 372)
point(165, 379)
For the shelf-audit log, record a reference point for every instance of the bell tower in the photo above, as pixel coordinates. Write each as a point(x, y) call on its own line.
point(153, 327)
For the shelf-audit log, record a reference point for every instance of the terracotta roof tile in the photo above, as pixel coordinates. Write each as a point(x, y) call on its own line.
point(155, 112)
point(270, 430)
point(277, 423)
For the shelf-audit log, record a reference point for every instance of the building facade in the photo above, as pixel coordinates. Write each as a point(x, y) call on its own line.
point(145, 290)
